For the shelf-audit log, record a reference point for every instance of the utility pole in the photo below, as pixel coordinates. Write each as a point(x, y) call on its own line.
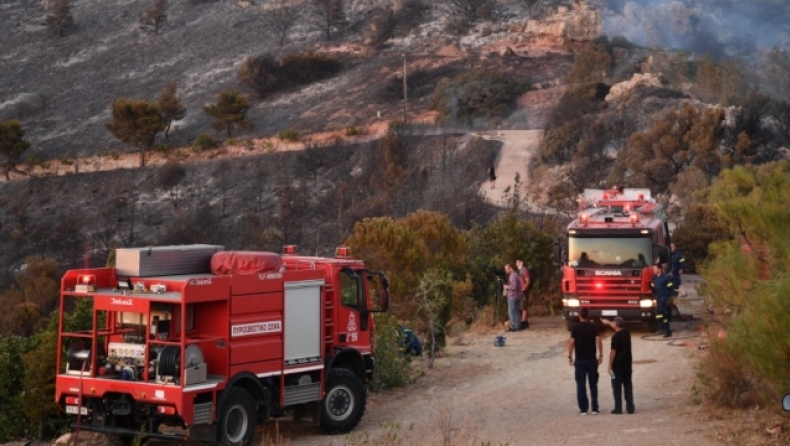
point(405, 90)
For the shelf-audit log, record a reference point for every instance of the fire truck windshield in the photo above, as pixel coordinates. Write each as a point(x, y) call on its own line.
point(609, 252)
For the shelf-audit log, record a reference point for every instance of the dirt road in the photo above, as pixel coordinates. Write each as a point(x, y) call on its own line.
point(517, 149)
point(524, 394)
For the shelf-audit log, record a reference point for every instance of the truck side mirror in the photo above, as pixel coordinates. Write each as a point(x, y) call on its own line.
point(786, 402)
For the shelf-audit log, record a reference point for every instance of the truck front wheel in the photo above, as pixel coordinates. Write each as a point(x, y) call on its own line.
point(239, 417)
point(344, 403)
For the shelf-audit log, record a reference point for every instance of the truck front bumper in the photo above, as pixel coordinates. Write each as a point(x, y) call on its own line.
point(628, 314)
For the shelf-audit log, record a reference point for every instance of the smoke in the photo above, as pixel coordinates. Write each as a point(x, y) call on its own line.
point(719, 27)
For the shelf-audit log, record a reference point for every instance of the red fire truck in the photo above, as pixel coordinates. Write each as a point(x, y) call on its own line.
point(208, 342)
point(607, 255)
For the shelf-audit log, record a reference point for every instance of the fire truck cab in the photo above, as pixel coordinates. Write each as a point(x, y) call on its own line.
point(607, 253)
point(210, 342)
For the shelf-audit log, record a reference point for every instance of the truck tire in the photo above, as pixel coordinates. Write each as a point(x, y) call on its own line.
point(345, 400)
point(238, 420)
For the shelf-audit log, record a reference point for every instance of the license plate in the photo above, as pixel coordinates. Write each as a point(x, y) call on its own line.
point(608, 312)
point(73, 410)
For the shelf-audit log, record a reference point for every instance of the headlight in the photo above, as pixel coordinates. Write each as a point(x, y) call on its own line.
point(646, 303)
point(570, 302)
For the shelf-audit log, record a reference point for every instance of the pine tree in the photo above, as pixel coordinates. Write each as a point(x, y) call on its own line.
point(137, 123)
point(170, 106)
point(12, 145)
point(229, 112)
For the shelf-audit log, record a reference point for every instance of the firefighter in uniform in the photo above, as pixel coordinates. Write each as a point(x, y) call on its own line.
point(662, 291)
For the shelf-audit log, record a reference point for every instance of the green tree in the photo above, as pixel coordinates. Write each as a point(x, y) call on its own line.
point(752, 303)
point(154, 15)
point(12, 145)
point(405, 249)
point(229, 112)
point(507, 238)
point(13, 423)
point(60, 19)
point(137, 123)
point(38, 384)
point(170, 106)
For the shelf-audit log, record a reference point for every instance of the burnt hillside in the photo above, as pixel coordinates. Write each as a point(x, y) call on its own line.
point(311, 198)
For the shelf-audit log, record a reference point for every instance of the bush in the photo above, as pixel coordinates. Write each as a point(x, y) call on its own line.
point(481, 94)
point(289, 135)
point(13, 423)
point(701, 227)
point(352, 131)
point(392, 368)
point(204, 141)
point(265, 75)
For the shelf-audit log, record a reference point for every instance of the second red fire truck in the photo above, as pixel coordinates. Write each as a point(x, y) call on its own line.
point(607, 253)
point(211, 342)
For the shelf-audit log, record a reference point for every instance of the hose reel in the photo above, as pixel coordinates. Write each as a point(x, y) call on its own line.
point(170, 360)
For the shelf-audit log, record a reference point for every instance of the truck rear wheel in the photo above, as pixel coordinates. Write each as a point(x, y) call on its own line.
point(345, 400)
point(239, 417)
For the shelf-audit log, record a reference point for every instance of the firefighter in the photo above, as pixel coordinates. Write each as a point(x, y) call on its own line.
point(662, 291)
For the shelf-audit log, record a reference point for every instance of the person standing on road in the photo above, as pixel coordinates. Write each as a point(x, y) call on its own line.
point(492, 176)
point(620, 361)
point(678, 265)
point(585, 342)
point(526, 285)
point(662, 291)
point(513, 292)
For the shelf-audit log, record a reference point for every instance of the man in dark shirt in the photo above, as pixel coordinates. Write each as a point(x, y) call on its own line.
point(620, 361)
point(585, 342)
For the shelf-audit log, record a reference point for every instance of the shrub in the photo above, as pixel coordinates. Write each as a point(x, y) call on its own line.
point(481, 94)
point(392, 368)
point(162, 148)
point(34, 160)
point(249, 144)
point(307, 67)
point(352, 131)
point(265, 75)
point(204, 141)
point(289, 135)
point(701, 227)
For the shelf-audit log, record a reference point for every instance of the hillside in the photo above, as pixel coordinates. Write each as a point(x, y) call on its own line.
point(61, 88)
